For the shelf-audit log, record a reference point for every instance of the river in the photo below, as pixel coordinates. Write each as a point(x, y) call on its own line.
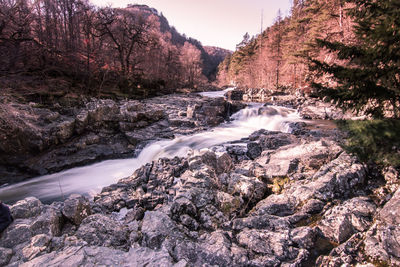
point(89, 180)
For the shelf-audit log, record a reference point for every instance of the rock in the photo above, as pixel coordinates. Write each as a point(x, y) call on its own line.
point(235, 95)
point(38, 246)
point(209, 158)
point(66, 130)
point(265, 222)
point(267, 111)
point(100, 230)
point(81, 121)
point(253, 150)
point(149, 257)
point(48, 222)
point(279, 205)
point(249, 188)
point(343, 255)
point(122, 127)
point(215, 250)
point(275, 140)
point(156, 227)
point(224, 164)
point(382, 239)
point(5, 256)
point(102, 256)
point(229, 204)
point(390, 212)
point(313, 206)
point(272, 244)
point(237, 152)
point(76, 208)
point(336, 179)
point(190, 112)
point(136, 214)
point(26, 208)
point(341, 222)
point(303, 237)
point(17, 233)
point(291, 158)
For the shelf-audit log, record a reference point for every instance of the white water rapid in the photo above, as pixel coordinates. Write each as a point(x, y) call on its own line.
point(90, 179)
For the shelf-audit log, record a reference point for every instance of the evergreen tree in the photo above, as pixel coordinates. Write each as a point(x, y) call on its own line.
point(369, 77)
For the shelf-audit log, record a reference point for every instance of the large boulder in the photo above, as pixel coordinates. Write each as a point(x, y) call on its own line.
point(342, 221)
point(76, 208)
point(31, 218)
point(103, 256)
point(383, 238)
point(100, 230)
point(156, 228)
point(26, 208)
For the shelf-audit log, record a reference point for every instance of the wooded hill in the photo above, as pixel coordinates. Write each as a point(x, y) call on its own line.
point(73, 45)
point(279, 57)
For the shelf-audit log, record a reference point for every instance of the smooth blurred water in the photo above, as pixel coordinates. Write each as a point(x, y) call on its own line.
point(89, 180)
point(217, 93)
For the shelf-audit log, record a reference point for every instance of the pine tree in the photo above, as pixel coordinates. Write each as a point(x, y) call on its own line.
point(369, 78)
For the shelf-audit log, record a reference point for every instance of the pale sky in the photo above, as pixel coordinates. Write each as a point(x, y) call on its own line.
point(219, 23)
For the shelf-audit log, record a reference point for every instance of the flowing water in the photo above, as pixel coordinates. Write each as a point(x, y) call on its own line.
point(89, 180)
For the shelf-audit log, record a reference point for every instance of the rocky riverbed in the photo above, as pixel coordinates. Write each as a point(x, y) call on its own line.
point(37, 139)
point(272, 199)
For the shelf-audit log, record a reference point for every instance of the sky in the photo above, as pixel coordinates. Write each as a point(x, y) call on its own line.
point(220, 23)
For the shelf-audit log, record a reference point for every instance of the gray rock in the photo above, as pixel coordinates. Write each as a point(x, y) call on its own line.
point(215, 250)
point(279, 205)
point(303, 237)
point(336, 179)
point(100, 230)
point(156, 227)
point(224, 164)
point(17, 233)
point(76, 208)
point(81, 121)
point(66, 130)
point(253, 150)
point(229, 204)
point(266, 222)
point(209, 158)
point(49, 222)
point(269, 243)
point(5, 256)
point(102, 256)
point(342, 221)
point(26, 208)
point(249, 188)
point(39, 245)
point(149, 257)
point(390, 212)
point(275, 140)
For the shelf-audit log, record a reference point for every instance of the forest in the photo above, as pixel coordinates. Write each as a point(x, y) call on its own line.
point(71, 45)
point(278, 57)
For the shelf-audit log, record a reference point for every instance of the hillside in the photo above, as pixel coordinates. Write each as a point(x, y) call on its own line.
point(278, 58)
point(49, 48)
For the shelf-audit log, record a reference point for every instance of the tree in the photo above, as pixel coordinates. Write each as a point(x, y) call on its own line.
point(125, 31)
point(190, 59)
point(276, 46)
point(244, 42)
point(367, 76)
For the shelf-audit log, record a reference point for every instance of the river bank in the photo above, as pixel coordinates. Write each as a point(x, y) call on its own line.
point(39, 140)
point(273, 198)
